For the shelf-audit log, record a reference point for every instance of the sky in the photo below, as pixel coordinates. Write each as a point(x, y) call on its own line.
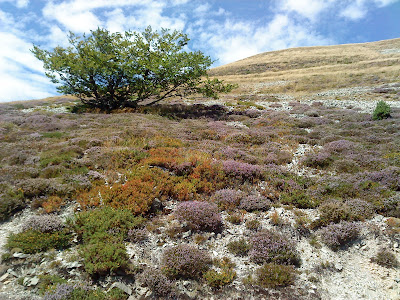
point(226, 30)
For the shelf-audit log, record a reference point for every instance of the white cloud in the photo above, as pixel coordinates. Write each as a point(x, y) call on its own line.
point(307, 8)
point(18, 3)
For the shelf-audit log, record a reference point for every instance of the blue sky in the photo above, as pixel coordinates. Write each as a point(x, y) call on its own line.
point(227, 30)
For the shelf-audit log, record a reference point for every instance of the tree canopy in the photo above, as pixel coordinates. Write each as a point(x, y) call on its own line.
point(114, 70)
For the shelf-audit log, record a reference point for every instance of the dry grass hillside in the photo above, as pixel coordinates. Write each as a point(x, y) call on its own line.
point(301, 71)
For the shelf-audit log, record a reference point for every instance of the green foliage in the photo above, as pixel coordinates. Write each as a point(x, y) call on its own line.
point(10, 202)
point(114, 70)
point(239, 247)
point(33, 241)
point(105, 219)
point(298, 199)
point(273, 275)
point(224, 277)
point(382, 111)
point(104, 254)
point(48, 282)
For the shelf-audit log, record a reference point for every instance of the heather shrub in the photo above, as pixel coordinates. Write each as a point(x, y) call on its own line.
point(239, 247)
point(337, 235)
point(44, 223)
point(235, 217)
point(391, 207)
point(69, 291)
point(185, 261)
point(319, 160)
point(385, 258)
point(274, 275)
point(346, 166)
point(33, 241)
point(158, 283)
point(255, 203)
point(242, 171)
point(270, 246)
point(227, 199)
point(36, 187)
point(340, 146)
point(382, 111)
point(360, 210)
point(199, 216)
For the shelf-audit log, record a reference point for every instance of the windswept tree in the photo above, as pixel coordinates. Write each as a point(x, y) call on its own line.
point(115, 70)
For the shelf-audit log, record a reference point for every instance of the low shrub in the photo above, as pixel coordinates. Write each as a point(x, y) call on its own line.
point(199, 216)
point(44, 223)
point(272, 275)
point(136, 195)
point(227, 199)
point(382, 111)
point(235, 218)
point(10, 202)
point(270, 246)
point(253, 224)
point(185, 261)
point(239, 247)
point(255, 203)
point(104, 254)
point(219, 279)
point(67, 291)
point(106, 219)
point(158, 283)
point(33, 241)
point(242, 171)
point(298, 199)
point(385, 258)
point(333, 211)
point(319, 160)
point(137, 235)
point(360, 210)
point(337, 235)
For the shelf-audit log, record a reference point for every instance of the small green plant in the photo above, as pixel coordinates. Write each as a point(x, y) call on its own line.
point(103, 255)
point(253, 224)
point(385, 258)
point(382, 111)
point(239, 247)
point(273, 275)
point(224, 277)
point(33, 241)
point(47, 282)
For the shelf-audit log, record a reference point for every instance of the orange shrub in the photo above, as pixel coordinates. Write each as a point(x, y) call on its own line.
point(52, 204)
point(135, 195)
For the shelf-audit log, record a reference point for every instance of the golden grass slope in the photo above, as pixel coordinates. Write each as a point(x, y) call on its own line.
point(305, 70)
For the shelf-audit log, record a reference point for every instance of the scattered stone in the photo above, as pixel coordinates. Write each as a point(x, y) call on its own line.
point(20, 255)
point(28, 281)
point(73, 265)
point(122, 286)
point(338, 267)
point(186, 234)
point(4, 277)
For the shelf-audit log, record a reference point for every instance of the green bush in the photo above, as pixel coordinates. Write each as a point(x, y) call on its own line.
point(382, 111)
point(10, 202)
point(103, 255)
point(298, 199)
point(33, 241)
point(105, 219)
point(217, 279)
point(239, 247)
point(273, 275)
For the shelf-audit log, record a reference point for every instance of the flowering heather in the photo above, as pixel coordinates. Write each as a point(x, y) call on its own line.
point(199, 215)
point(270, 246)
point(157, 282)
point(44, 223)
point(241, 170)
point(185, 261)
point(227, 198)
point(360, 209)
point(336, 235)
point(339, 146)
point(320, 159)
point(61, 292)
point(255, 202)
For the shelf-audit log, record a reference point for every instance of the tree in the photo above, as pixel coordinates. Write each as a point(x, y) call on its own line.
point(114, 70)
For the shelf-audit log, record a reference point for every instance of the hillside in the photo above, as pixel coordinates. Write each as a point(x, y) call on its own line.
point(308, 70)
point(287, 188)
